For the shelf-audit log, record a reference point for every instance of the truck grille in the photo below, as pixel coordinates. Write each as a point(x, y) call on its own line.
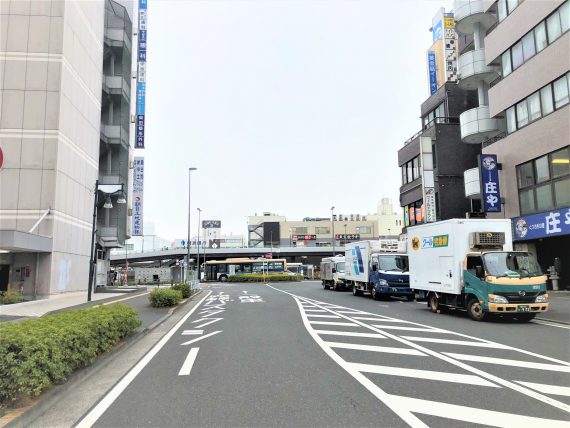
point(396, 283)
point(529, 297)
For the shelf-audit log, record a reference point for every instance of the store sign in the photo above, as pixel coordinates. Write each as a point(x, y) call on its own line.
point(138, 191)
point(543, 225)
point(353, 236)
point(304, 237)
point(429, 203)
point(1, 158)
point(211, 224)
point(490, 183)
point(432, 73)
point(141, 75)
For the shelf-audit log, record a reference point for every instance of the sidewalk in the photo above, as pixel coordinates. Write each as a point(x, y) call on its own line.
point(559, 310)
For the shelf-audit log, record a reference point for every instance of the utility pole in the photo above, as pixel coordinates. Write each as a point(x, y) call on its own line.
point(333, 237)
point(188, 237)
point(198, 248)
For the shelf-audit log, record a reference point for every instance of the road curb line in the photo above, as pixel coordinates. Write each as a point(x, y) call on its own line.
point(554, 321)
point(23, 417)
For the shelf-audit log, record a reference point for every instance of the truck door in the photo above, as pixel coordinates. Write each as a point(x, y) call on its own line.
point(446, 271)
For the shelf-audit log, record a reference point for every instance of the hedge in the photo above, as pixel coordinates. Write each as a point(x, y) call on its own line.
point(183, 288)
point(37, 353)
point(160, 297)
point(10, 296)
point(254, 277)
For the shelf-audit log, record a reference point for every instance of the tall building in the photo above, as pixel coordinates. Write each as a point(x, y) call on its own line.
point(51, 80)
point(528, 42)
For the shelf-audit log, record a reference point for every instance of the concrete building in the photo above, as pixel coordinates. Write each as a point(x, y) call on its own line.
point(388, 219)
point(529, 43)
point(51, 80)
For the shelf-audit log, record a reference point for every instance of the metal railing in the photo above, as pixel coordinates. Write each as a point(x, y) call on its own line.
point(438, 121)
point(489, 141)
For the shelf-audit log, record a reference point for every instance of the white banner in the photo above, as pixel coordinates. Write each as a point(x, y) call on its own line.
point(138, 190)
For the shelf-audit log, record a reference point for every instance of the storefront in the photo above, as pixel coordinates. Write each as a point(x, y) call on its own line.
point(547, 235)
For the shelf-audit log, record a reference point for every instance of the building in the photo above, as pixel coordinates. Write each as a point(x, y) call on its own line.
point(388, 219)
point(51, 102)
point(528, 42)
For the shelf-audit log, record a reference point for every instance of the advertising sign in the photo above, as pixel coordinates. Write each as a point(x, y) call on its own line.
point(141, 74)
point(437, 31)
point(138, 190)
point(211, 224)
point(353, 236)
point(432, 73)
point(304, 237)
point(490, 183)
point(429, 202)
point(542, 225)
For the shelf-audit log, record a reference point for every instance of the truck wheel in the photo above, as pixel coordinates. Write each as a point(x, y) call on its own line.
point(335, 287)
point(325, 285)
point(374, 294)
point(410, 298)
point(525, 317)
point(433, 302)
point(475, 310)
point(355, 291)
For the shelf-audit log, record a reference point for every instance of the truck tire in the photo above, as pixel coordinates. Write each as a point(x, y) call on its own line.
point(374, 294)
point(334, 287)
point(525, 317)
point(475, 310)
point(410, 298)
point(356, 291)
point(325, 285)
point(433, 303)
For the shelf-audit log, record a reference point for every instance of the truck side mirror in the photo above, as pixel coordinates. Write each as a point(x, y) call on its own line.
point(479, 271)
point(374, 268)
point(334, 270)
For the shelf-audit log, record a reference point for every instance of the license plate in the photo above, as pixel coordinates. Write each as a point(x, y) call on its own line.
point(523, 308)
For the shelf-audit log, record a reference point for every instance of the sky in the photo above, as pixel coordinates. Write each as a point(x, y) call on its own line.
point(288, 107)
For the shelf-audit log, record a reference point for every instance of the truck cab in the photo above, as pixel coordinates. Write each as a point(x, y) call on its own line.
point(333, 273)
point(389, 276)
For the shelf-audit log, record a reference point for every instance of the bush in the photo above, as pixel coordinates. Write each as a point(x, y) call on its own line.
point(183, 288)
point(37, 353)
point(160, 297)
point(10, 296)
point(255, 277)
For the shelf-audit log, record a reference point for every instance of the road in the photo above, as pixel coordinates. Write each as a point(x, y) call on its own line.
point(297, 355)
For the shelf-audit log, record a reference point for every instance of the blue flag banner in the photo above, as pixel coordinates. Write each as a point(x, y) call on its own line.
point(490, 190)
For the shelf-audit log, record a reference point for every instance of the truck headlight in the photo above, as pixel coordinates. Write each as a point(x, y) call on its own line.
point(543, 298)
point(383, 282)
point(493, 298)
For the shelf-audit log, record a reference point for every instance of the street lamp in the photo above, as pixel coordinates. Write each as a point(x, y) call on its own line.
point(332, 221)
point(198, 248)
point(188, 237)
point(109, 190)
point(345, 235)
point(290, 237)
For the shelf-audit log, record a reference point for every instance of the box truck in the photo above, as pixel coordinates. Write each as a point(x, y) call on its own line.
point(372, 268)
point(470, 264)
point(332, 272)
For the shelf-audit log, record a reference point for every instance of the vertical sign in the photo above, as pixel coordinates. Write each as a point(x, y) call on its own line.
point(428, 183)
point(432, 73)
point(450, 40)
point(490, 183)
point(141, 75)
point(138, 190)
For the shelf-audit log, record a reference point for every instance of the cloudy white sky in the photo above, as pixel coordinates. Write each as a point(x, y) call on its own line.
point(283, 106)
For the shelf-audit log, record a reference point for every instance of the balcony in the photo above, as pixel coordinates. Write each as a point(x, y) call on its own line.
point(469, 13)
point(473, 70)
point(476, 125)
point(472, 183)
point(117, 85)
point(114, 134)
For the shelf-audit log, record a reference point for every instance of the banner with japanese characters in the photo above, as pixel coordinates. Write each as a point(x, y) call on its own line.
point(138, 190)
point(141, 76)
point(542, 225)
point(490, 183)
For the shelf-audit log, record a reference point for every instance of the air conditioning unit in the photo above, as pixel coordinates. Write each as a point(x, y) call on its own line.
point(489, 240)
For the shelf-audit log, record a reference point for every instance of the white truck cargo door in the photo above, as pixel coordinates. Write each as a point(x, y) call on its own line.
point(446, 272)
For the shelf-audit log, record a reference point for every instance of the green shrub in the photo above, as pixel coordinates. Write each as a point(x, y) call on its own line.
point(255, 277)
point(37, 353)
point(183, 288)
point(160, 297)
point(10, 296)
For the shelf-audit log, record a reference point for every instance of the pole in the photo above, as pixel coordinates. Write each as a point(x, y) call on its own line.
point(333, 237)
point(91, 260)
point(198, 249)
point(345, 235)
point(126, 262)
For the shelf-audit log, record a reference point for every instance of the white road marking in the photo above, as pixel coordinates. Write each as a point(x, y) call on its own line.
point(347, 324)
point(125, 298)
point(322, 316)
point(547, 389)
point(456, 342)
point(209, 313)
point(200, 338)
point(508, 362)
point(422, 374)
point(315, 310)
point(551, 324)
point(386, 349)
point(188, 362)
point(350, 333)
point(188, 332)
point(213, 320)
point(351, 312)
point(380, 319)
point(397, 327)
point(474, 415)
point(112, 395)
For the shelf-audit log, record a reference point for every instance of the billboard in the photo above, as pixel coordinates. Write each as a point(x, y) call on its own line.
point(138, 191)
point(211, 224)
point(542, 225)
point(432, 73)
point(442, 55)
point(490, 189)
point(141, 75)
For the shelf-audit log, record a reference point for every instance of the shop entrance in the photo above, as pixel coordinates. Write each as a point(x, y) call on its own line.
point(548, 249)
point(4, 277)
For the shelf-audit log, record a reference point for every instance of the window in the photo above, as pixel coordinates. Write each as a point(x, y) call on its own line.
point(553, 26)
point(560, 92)
point(560, 162)
point(540, 36)
point(546, 100)
point(562, 192)
point(506, 62)
point(525, 175)
point(433, 155)
point(542, 170)
point(527, 201)
point(502, 9)
point(512, 5)
point(416, 167)
point(528, 46)
point(565, 16)
point(299, 230)
point(522, 114)
point(544, 197)
point(440, 110)
point(409, 171)
point(322, 230)
point(534, 107)
point(511, 120)
point(517, 52)
point(404, 178)
point(364, 229)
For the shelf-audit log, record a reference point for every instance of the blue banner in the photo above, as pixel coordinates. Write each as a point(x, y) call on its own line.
point(437, 31)
point(542, 225)
point(432, 73)
point(141, 74)
point(490, 183)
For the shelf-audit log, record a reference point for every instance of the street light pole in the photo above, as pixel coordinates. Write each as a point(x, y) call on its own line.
point(345, 235)
point(333, 237)
point(198, 248)
point(188, 237)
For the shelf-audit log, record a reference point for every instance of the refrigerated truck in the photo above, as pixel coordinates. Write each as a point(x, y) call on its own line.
point(332, 272)
point(371, 268)
point(470, 264)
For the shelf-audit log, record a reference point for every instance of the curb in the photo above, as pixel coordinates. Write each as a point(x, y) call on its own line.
point(554, 321)
point(23, 417)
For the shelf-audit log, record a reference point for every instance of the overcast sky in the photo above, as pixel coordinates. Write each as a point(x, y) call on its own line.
point(283, 106)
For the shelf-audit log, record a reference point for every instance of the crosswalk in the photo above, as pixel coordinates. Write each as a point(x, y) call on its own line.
point(385, 354)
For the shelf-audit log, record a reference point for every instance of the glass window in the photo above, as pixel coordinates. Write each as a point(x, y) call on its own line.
point(565, 16)
point(416, 169)
point(506, 62)
point(322, 230)
point(404, 180)
point(364, 229)
point(528, 46)
point(553, 26)
point(512, 5)
point(511, 120)
point(542, 170)
point(561, 92)
point(562, 192)
point(522, 114)
point(533, 107)
point(409, 172)
point(502, 9)
point(440, 111)
point(517, 55)
point(540, 36)
point(527, 201)
point(544, 197)
point(300, 230)
point(546, 100)
point(525, 175)
point(560, 162)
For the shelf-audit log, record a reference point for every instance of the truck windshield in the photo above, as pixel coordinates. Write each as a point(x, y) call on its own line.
point(340, 267)
point(393, 262)
point(511, 264)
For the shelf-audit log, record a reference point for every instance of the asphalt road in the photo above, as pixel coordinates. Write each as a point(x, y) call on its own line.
point(297, 355)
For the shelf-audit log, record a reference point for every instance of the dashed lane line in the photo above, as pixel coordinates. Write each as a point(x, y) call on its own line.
point(202, 337)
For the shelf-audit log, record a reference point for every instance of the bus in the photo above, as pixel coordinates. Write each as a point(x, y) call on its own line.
point(308, 271)
point(220, 270)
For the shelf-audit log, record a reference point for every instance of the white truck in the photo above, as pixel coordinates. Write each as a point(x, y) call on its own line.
point(470, 264)
point(332, 273)
point(372, 268)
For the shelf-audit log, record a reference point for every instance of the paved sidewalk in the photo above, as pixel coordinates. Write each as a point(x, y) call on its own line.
point(559, 308)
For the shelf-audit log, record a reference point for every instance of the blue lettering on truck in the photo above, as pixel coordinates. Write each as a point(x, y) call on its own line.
point(360, 262)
